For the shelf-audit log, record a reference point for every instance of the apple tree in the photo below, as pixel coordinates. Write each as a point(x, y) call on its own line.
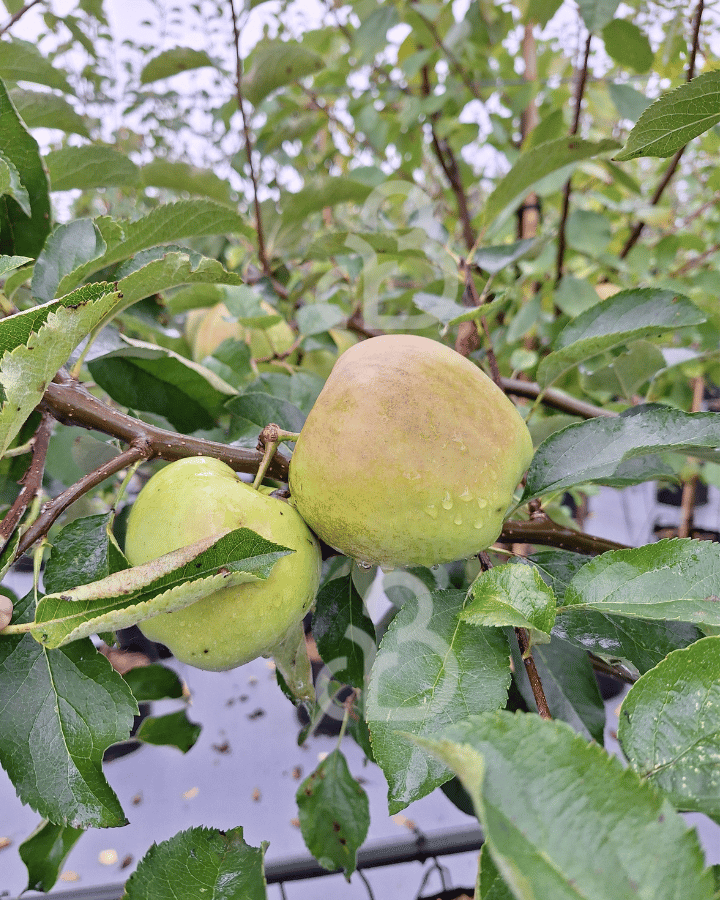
point(195, 223)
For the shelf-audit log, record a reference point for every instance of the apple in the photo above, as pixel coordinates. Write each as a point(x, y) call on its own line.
point(198, 497)
point(410, 455)
point(205, 333)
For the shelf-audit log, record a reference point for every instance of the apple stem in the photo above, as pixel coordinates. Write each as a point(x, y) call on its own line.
point(269, 440)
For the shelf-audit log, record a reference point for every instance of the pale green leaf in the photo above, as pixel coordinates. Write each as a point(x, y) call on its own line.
point(669, 727)
point(185, 179)
point(275, 63)
point(534, 165)
point(171, 582)
point(172, 62)
point(8, 263)
point(11, 185)
point(26, 371)
point(68, 247)
point(627, 45)
point(90, 167)
point(677, 580)
point(22, 61)
point(42, 109)
point(675, 118)
point(535, 783)
point(597, 13)
point(514, 595)
point(626, 316)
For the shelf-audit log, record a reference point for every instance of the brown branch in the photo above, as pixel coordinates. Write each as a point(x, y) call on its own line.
point(579, 92)
point(547, 533)
point(17, 16)
point(689, 489)
point(532, 673)
point(68, 401)
point(675, 161)
point(262, 251)
point(55, 507)
point(554, 399)
point(31, 481)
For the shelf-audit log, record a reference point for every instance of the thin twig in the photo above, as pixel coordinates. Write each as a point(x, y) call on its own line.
point(55, 507)
point(547, 533)
point(675, 161)
point(579, 92)
point(262, 252)
point(17, 16)
point(31, 481)
point(689, 490)
point(554, 399)
point(532, 673)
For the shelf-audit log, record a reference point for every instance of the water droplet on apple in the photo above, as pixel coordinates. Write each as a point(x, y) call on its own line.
point(431, 511)
point(466, 496)
point(482, 502)
point(447, 501)
point(364, 565)
point(458, 519)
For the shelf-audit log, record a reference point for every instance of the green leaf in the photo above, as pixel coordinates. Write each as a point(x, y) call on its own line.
point(184, 178)
point(495, 259)
point(627, 45)
point(83, 552)
point(597, 13)
point(606, 450)
point(343, 631)
point(334, 814)
point(626, 316)
point(144, 376)
point(170, 582)
point(171, 730)
point(677, 580)
point(41, 109)
point(513, 595)
point(371, 35)
point(59, 711)
point(170, 222)
point(45, 851)
point(327, 192)
point(85, 168)
point(535, 782)
point(251, 412)
point(490, 883)
point(533, 165)
point(200, 862)
point(11, 185)
point(154, 682)
point(629, 103)
point(22, 61)
point(669, 725)
point(8, 263)
point(569, 683)
point(316, 318)
point(26, 370)
point(675, 118)
point(69, 246)
point(275, 63)
point(172, 62)
point(429, 672)
point(21, 234)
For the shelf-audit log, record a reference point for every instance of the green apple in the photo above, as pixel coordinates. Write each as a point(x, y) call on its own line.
point(205, 333)
point(195, 498)
point(410, 455)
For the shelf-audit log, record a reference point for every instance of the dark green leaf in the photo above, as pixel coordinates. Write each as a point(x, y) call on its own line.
point(154, 682)
point(171, 730)
point(322, 194)
point(491, 885)
point(606, 450)
point(676, 580)
point(200, 862)
point(535, 782)
point(430, 671)
point(68, 247)
point(675, 118)
point(334, 814)
point(669, 726)
point(626, 316)
point(59, 711)
point(45, 851)
point(20, 234)
point(81, 553)
point(252, 412)
point(512, 595)
point(343, 631)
